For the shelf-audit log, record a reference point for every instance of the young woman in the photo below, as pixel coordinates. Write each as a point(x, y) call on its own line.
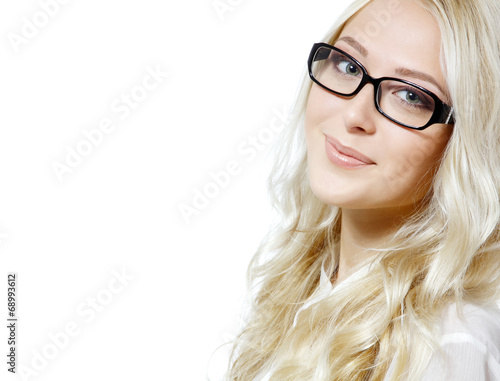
point(386, 264)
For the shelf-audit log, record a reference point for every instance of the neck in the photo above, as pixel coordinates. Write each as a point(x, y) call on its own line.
point(362, 233)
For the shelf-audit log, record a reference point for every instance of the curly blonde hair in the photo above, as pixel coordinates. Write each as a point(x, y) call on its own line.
point(447, 252)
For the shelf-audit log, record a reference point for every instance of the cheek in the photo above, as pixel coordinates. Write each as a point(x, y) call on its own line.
point(322, 108)
point(415, 161)
point(320, 116)
point(312, 120)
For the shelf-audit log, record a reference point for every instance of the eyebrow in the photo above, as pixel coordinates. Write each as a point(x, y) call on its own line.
point(419, 75)
point(355, 44)
point(401, 70)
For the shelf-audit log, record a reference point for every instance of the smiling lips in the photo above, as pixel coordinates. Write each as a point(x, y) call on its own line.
point(345, 157)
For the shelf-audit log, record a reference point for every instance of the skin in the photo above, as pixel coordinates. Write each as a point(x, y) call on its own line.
point(375, 198)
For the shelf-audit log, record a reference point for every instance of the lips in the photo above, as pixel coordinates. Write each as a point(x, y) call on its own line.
point(345, 157)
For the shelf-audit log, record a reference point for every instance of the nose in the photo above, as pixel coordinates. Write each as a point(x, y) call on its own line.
point(359, 111)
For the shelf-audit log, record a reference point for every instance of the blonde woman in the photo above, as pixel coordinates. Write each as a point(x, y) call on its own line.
point(386, 264)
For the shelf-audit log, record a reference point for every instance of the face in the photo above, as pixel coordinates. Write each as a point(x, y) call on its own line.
point(357, 158)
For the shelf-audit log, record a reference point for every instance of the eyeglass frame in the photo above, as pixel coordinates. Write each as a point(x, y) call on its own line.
point(443, 113)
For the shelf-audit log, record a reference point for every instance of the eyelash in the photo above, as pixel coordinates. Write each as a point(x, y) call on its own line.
point(424, 103)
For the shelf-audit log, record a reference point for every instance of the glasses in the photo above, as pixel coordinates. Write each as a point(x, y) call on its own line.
point(403, 102)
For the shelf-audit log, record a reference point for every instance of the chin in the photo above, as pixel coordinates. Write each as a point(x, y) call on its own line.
point(334, 195)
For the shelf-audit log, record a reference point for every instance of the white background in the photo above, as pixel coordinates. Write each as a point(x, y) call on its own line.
point(118, 210)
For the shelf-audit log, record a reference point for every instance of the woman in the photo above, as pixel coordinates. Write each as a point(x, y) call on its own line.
point(386, 265)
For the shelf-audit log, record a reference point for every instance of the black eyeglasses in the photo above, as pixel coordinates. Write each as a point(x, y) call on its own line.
point(403, 102)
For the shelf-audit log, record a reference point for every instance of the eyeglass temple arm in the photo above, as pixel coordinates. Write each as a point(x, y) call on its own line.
point(450, 117)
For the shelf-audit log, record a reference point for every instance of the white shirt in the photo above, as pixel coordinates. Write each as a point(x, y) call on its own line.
point(470, 343)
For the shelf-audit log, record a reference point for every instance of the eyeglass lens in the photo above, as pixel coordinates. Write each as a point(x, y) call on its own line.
point(400, 101)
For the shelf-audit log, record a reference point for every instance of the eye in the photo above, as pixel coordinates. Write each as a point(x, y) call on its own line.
point(409, 96)
point(348, 67)
point(412, 97)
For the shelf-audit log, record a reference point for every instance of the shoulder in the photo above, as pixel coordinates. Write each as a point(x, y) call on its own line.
point(471, 322)
point(469, 344)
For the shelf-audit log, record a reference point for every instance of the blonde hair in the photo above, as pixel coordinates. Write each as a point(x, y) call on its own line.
point(447, 252)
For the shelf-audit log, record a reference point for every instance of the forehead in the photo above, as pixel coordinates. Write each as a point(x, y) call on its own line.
point(397, 33)
point(409, 17)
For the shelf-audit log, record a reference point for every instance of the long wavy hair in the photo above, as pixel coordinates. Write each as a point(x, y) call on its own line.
point(447, 252)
